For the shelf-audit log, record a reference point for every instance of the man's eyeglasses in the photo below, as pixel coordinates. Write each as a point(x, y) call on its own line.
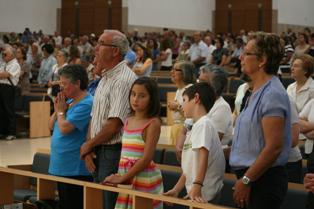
point(100, 43)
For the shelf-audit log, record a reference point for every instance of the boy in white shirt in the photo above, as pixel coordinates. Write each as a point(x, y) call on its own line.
point(203, 162)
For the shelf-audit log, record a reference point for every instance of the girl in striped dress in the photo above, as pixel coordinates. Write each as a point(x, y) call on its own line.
point(139, 141)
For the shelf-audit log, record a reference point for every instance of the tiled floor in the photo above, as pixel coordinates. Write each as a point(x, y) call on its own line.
point(21, 151)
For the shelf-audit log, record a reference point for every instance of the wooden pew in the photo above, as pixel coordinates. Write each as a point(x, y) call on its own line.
point(93, 193)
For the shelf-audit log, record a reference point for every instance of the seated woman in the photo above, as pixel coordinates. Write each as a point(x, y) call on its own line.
point(144, 64)
point(69, 123)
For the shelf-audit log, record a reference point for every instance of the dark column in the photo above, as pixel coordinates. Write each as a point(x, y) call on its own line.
point(109, 14)
point(77, 17)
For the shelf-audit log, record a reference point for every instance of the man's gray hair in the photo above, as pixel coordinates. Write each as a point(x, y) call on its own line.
point(120, 41)
point(9, 48)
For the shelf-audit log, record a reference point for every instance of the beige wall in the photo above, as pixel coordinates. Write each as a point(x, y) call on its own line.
point(274, 22)
point(295, 28)
point(143, 29)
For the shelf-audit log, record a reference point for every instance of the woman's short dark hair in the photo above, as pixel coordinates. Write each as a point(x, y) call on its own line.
point(74, 73)
point(307, 64)
point(268, 45)
point(219, 83)
point(206, 94)
point(153, 91)
point(48, 48)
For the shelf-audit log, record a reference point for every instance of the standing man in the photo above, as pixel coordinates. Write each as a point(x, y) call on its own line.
point(198, 52)
point(9, 77)
point(102, 150)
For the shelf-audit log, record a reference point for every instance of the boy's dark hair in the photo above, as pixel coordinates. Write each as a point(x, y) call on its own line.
point(206, 94)
point(153, 91)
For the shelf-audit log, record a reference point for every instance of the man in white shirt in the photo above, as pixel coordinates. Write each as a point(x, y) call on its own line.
point(9, 77)
point(209, 42)
point(198, 52)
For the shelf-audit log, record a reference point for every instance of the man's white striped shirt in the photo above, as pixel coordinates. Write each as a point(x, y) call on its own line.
point(111, 99)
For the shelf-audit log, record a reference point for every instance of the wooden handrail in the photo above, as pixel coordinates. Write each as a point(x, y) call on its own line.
point(92, 191)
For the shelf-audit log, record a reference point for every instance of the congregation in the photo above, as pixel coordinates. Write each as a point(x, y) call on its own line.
point(106, 123)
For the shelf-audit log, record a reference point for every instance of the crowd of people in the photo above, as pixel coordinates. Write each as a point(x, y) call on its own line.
point(105, 123)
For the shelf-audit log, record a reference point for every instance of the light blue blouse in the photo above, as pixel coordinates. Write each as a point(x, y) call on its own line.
point(248, 140)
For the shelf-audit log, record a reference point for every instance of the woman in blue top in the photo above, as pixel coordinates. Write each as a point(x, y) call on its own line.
point(69, 123)
point(262, 137)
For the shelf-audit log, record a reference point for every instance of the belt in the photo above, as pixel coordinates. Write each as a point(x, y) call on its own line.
point(240, 172)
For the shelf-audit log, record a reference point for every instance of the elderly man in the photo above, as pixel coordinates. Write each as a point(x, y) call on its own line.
point(9, 77)
point(110, 108)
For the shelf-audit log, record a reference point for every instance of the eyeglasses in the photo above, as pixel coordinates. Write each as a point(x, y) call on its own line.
point(100, 43)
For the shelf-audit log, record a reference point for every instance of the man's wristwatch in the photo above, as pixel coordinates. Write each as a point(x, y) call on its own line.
point(60, 113)
point(246, 180)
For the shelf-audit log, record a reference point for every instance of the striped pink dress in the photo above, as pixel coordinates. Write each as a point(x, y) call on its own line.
point(150, 179)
